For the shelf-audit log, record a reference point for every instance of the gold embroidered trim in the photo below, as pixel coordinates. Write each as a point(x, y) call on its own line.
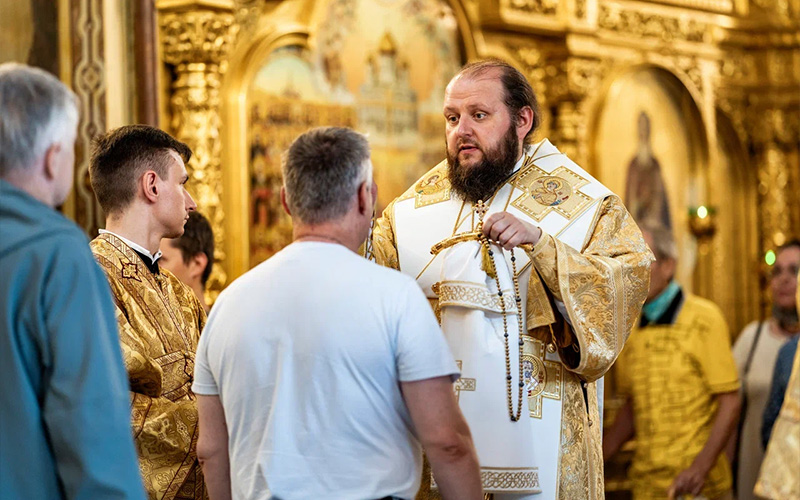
point(463, 384)
point(516, 480)
point(506, 480)
point(543, 378)
point(474, 295)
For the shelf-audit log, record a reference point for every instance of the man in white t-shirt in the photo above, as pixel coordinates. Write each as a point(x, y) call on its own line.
point(321, 374)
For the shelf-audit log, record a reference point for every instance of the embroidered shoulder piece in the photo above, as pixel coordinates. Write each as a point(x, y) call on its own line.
point(431, 188)
point(556, 191)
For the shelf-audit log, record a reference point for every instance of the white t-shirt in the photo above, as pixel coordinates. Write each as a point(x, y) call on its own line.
point(306, 352)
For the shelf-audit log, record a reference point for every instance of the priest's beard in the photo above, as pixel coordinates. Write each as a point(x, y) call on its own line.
point(787, 318)
point(480, 181)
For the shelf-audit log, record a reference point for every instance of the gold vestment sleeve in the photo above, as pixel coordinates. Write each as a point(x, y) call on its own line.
point(602, 288)
point(384, 246)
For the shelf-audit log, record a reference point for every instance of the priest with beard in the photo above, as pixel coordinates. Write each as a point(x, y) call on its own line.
point(537, 273)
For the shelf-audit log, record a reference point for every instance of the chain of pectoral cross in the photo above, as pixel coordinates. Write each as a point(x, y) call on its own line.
point(491, 269)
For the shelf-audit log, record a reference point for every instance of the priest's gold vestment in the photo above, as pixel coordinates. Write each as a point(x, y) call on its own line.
point(600, 286)
point(160, 320)
point(780, 472)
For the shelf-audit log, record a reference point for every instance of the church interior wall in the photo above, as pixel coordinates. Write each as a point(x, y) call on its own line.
point(717, 80)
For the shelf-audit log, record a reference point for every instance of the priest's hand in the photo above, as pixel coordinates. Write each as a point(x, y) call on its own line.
point(509, 231)
point(688, 482)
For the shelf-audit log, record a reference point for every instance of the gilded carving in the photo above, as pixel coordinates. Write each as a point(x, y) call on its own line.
point(541, 7)
point(773, 179)
point(248, 12)
point(569, 130)
point(780, 65)
point(632, 22)
point(775, 132)
point(580, 9)
point(780, 7)
point(196, 43)
point(585, 75)
point(738, 68)
point(734, 108)
point(691, 67)
point(776, 125)
point(197, 36)
point(532, 63)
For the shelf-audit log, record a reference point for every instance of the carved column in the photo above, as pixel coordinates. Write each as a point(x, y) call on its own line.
point(776, 139)
point(196, 40)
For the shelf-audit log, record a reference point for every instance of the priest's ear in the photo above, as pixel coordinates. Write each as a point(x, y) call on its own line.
point(524, 122)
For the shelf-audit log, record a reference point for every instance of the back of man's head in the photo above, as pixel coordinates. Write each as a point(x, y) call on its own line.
point(660, 240)
point(322, 171)
point(36, 112)
point(198, 238)
point(121, 156)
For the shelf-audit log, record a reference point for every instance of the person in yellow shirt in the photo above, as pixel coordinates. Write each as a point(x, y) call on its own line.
point(678, 373)
point(779, 478)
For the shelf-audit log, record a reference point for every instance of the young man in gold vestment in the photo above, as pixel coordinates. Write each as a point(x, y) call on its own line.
point(580, 276)
point(138, 175)
point(779, 478)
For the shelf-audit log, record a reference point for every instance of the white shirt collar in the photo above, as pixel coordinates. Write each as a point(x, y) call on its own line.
point(139, 248)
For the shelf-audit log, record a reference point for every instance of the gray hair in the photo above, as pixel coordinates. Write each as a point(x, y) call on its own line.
point(322, 171)
point(664, 246)
point(36, 110)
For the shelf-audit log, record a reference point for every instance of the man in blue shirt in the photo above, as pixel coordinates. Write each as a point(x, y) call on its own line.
point(64, 411)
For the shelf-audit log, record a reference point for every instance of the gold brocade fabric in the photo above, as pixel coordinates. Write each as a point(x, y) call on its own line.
point(603, 288)
point(160, 320)
point(779, 478)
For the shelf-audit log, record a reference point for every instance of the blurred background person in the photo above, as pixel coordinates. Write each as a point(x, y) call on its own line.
point(755, 352)
point(678, 374)
point(191, 256)
point(778, 388)
point(780, 472)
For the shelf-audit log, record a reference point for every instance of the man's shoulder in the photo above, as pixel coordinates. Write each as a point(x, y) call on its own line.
point(30, 226)
point(107, 255)
point(183, 292)
point(699, 308)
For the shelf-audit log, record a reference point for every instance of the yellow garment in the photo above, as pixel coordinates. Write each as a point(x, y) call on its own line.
point(780, 470)
point(160, 320)
point(672, 373)
point(602, 287)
